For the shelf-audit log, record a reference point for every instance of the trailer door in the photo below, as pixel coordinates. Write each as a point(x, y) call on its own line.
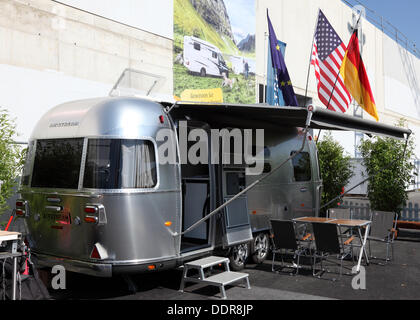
point(236, 223)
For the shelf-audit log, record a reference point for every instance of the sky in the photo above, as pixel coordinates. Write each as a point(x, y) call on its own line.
point(242, 17)
point(402, 14)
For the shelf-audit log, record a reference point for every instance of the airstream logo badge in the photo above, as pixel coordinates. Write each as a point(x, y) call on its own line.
point(64, 124)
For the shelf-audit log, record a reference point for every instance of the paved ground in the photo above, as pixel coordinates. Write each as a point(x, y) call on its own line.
point(400, 279)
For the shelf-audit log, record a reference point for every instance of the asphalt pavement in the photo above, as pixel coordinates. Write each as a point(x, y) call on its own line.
point(398, 280)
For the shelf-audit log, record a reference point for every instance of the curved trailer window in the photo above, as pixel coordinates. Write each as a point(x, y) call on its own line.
point(120, 164)
point(57, 163)
point(302, 167)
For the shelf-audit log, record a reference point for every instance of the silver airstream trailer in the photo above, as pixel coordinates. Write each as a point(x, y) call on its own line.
point(97, 200)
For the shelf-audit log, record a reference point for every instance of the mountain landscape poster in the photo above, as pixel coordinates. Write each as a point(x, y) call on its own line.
point(214, 51)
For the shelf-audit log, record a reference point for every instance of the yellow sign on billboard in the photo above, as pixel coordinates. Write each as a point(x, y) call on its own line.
point(203, 95)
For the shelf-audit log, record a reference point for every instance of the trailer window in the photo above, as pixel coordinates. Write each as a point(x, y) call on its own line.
point(197, 46)
point(57, 163)
point(302, 167)
point(120, 164)
point(28, 162)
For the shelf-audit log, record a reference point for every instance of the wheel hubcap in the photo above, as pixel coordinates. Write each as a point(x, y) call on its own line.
point(261, 245)
point(240, 254)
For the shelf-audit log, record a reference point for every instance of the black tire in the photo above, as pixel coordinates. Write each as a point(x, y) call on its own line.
point(238, 256)
point(260, 248)
point(203, 72)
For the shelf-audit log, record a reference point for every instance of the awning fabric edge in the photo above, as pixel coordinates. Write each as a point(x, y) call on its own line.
point(321, 118)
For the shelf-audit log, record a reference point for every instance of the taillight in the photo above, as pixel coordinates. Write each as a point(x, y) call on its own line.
point(90, 219)
point(91, 209)
point(94, 213)
point(20, 203)
point(20, 208)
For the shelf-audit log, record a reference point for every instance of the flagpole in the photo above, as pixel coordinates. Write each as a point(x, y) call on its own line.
point(309, 67)
point(310, 58)
point(333, 89)
point(329, 101)
point(266, 67)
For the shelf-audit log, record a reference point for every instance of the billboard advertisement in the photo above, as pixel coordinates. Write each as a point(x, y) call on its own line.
point(214, 51)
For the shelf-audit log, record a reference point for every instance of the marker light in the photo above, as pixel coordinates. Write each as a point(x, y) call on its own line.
point(161, 119)
point(168, 223)
point(95, 253)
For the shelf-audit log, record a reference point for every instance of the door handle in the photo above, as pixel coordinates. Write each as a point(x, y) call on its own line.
point(303, 189)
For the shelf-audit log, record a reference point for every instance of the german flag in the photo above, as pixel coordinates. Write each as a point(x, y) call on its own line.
point(355, 77)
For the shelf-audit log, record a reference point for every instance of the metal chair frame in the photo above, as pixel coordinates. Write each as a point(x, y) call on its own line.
point(388, 236)
point(296, 246)
point(346, 214)
point(323, 255)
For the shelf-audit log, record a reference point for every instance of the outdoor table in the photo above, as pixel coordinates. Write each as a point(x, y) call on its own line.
point(312, 219)
point(359, 224)
point(14, 254)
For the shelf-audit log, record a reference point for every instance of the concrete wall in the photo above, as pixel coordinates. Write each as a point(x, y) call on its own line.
point(144, 15)
point(51, 53)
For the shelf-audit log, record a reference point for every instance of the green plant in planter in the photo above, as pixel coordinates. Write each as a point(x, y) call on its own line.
point(336, 170)
point(389, 171)
point(11, 158)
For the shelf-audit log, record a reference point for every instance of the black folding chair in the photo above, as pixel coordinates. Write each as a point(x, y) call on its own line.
point(284, 239)
point(328, 242)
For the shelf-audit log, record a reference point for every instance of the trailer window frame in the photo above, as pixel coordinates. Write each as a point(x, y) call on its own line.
point(56, 180)
point(120, 189)
point(302, 173)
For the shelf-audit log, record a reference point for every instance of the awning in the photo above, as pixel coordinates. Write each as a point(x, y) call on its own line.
point(264, 116)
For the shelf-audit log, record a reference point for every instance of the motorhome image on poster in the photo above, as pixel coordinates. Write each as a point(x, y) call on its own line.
point(214, 51)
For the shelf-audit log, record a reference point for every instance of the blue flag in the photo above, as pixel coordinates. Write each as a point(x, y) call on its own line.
point(283, 78)
point(274, 95)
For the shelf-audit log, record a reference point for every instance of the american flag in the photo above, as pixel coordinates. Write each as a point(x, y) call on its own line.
point(327, 55)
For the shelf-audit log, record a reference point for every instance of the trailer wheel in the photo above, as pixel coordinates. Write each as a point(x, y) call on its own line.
point(238, 256)
point(203, 72)
point(260, 248)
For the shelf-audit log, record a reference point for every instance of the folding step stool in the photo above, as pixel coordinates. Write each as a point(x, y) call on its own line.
point(220, 280)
